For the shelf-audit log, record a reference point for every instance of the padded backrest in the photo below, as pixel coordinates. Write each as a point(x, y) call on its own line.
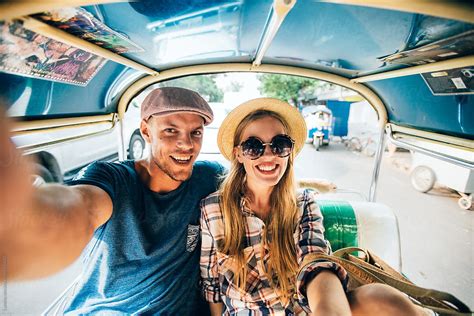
point(339, 223)
point(368, 225)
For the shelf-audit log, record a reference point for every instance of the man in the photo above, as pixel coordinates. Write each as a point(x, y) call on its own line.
point(136, 223)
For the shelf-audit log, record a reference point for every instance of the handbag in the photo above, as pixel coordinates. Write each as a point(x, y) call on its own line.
point(372, 269)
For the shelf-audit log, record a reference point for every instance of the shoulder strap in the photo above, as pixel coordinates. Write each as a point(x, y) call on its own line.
point(372, 269)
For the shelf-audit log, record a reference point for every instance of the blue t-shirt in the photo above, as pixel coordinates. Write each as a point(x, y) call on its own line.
point(145, 258)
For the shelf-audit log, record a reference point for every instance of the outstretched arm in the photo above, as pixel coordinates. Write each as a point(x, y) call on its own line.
point(42, 230)
point(51, 234)
point(319, 283)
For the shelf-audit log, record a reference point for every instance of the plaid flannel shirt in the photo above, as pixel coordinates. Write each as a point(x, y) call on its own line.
point(259, 298)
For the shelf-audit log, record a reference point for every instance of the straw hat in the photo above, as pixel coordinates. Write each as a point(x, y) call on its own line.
point(295, 121)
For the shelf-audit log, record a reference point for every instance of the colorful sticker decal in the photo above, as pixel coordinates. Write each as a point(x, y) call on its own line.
point(451, 82)
point(30, 54)
point(455, 46)
point(82, 24)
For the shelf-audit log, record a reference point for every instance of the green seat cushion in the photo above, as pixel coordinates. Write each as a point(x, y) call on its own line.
point(339, 223)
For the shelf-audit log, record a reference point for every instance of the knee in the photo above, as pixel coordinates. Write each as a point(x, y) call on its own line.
point(380, 299)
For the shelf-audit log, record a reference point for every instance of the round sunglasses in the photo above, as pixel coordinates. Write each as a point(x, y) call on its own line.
point(280, 145)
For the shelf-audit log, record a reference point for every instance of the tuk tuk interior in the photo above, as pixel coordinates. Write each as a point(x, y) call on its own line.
point(412, 61)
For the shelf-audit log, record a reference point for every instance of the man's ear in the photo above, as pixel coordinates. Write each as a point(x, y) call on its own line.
point(145, 131)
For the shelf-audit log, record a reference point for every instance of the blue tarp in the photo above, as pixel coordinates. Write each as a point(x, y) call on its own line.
point(340, 112)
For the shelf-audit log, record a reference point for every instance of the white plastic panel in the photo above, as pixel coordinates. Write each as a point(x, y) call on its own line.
point(378, 231)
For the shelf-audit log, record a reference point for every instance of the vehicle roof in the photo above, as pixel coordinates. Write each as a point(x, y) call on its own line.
point(353, 40)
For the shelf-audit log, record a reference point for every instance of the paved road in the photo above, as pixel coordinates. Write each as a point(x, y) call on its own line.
point(436, 235)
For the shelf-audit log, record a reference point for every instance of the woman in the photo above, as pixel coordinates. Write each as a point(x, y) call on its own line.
point(258, 233)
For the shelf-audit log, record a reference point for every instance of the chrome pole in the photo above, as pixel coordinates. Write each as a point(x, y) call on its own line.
point(121, 144)
point(377, 164)
point(457, 161)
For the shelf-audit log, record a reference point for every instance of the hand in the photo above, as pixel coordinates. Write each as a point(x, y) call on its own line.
point(216, 308)
point(321, 185)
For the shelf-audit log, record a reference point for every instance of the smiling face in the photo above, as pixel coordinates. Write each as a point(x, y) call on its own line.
point(267, 170)
point(175, 142)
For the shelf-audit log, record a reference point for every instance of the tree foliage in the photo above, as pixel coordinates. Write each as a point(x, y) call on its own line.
point(287, 87)
point(205, 85)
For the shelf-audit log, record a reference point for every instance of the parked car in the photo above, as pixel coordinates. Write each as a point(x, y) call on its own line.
point(60, 161)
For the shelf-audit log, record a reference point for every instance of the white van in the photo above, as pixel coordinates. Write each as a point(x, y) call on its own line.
point(60, 161)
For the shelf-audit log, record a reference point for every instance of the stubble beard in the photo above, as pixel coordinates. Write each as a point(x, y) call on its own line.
point(176, 176)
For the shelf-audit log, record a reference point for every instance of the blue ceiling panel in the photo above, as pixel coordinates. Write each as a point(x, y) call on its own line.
point(410, 103)
point(174, 34)
point(343, 36)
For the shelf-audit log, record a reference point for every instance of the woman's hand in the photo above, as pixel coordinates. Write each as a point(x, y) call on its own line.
point(326, 295)
point(216, 309)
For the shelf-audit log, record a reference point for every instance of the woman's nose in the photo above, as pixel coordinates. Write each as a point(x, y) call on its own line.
point(267, 150)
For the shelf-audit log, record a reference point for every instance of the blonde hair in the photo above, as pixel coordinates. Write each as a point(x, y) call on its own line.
point(281, 224)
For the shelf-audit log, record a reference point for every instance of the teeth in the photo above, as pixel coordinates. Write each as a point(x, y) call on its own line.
point(267, 168)
point(182, 158)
